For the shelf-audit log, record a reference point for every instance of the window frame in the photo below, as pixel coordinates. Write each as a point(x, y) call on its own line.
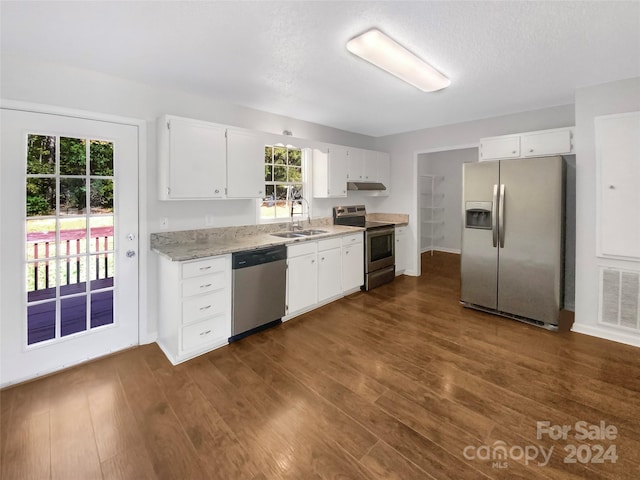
point(304, 169)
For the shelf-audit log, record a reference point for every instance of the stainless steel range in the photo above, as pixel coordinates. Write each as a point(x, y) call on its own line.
point(379, 251)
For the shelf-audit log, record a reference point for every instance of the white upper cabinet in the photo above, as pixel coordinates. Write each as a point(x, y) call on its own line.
point(500, 147)
point(245, 164)
point(555, 142)
point(378, 169)
point(202, 160)
point(369, 166)
point(192, 157)
point(355, 165)
point(330, 172)
point(542, 143)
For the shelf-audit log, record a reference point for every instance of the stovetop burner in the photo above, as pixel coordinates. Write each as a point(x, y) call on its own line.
point(376, 225)
point(356, 216)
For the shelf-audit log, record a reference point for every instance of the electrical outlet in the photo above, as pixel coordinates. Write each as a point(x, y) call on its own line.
point(209, 220)
point(164, 222)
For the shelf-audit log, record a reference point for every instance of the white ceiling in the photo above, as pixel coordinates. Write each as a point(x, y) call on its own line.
point(290, 58)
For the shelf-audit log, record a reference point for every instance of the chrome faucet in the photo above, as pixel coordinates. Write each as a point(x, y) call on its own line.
point(297, 225)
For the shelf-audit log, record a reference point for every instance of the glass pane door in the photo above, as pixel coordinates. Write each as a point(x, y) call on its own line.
point(69, 236)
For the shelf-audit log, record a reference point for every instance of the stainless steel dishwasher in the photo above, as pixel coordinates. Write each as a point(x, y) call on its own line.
point(259, 290)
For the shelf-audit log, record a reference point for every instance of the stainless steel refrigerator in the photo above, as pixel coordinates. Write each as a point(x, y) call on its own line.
point(513, 238)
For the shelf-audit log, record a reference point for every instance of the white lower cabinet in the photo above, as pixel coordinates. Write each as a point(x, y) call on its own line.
point(403, 257)
point(317, 270)
point(329, 269)
point(352, 262)
point(194, 306)
point(302, 276)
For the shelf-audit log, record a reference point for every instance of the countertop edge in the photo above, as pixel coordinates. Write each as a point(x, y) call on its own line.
point(207, 249)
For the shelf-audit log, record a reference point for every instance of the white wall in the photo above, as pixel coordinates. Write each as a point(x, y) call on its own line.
point(448, 164)
point(404, 150)
point(57, 85)
point(610, 98)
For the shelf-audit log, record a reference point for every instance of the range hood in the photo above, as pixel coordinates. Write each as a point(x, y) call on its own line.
point(361, 186)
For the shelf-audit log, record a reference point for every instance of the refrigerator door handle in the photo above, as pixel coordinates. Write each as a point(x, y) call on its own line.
point(494, 215)
point(501, 216)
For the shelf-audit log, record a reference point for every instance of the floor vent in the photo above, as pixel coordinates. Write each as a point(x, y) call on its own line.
point(620, 298)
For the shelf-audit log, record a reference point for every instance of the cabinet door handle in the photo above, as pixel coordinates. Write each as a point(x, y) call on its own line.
point(513, 152)
point(205, 333)
point(313, 261)
point(322, 259)
point(205, 286)
point(216, 191)
point(205, 308)
point(531, 150)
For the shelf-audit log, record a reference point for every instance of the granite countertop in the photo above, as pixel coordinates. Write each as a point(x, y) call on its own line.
point(210, 246)
point(194, 244)
point(398, 219)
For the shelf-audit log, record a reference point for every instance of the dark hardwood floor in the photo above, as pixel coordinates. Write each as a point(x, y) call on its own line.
point(397, 383)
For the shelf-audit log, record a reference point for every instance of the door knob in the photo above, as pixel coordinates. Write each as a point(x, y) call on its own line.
point(131, 236)
point(131, 253)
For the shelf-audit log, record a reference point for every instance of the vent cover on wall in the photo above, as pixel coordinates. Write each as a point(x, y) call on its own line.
point(620, 298)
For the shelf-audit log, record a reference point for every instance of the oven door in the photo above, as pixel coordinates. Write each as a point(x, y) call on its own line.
point(380, 249)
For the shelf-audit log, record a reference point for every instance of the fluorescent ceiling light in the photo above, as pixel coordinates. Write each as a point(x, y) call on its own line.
point(375, 47)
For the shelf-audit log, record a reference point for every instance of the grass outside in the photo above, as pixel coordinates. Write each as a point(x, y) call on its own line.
point(278, 211)
point(48, 224)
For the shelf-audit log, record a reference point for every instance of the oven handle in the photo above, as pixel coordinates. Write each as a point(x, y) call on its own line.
point(380, 232)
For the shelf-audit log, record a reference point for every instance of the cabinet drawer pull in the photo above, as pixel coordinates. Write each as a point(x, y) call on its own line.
point(205, 268)
point(205, 308)
point(206, 286)
point(205, 333)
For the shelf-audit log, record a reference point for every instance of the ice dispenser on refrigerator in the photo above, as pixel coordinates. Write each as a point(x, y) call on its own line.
point(478, 215)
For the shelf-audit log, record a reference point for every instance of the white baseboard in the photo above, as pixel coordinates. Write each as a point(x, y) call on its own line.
point(442, 249)
point(607, 334)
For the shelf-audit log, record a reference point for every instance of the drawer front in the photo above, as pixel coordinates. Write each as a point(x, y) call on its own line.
point(215, 329)
point(204, 267)
point(352, 239)
point(197, 308)
point(301, 249)
point(204, 284)
point(328, 244)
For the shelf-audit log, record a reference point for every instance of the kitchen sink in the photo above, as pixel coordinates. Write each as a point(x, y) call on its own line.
point(299, 233)
point(289, 234)
point(311, 232)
